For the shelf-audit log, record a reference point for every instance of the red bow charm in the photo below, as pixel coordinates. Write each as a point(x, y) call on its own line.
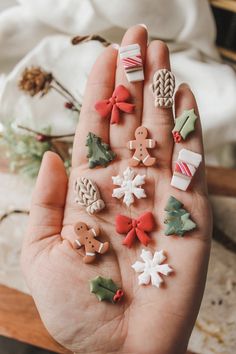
point(135, 228)
point(116, 103)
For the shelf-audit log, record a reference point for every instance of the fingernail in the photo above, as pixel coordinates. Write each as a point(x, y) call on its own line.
point(143, 25)
point(115, 46)
point(184, 85)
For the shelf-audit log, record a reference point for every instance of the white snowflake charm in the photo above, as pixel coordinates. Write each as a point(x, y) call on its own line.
point(129, 186)
point(151, 267)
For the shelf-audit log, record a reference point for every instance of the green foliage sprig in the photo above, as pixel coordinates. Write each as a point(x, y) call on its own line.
point(25, 151)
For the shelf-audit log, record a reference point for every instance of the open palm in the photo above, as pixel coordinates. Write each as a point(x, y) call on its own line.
point(148, 320)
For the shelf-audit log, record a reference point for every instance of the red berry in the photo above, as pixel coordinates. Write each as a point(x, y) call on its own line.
point(68, 105)
point(40, 137)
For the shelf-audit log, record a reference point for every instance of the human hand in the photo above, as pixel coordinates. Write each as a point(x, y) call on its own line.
point(148, 320)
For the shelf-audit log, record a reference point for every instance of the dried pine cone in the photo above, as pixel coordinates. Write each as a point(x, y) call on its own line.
point(35, 80)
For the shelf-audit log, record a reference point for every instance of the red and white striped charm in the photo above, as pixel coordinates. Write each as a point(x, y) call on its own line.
point(132, 63)
point(131, 58)
point(185, 168)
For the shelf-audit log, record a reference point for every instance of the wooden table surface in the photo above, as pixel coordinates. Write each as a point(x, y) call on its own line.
point(19, 318)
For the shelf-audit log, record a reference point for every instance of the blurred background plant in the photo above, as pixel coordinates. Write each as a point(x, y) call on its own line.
point(24, 147)
point(25, 151)
point(35, 81)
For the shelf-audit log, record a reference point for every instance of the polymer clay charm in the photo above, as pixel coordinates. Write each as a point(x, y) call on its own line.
point(106, 290)
point(99, 153)
point(130, 186)
point(135, 228)
point(131, 58)
point(151, 267)
point(140, 145)
point(115, 104)
point(184, 125)
point(178, 220)
point(185, 169)
point(163, 88)
point(88, 195)
point(86, 238)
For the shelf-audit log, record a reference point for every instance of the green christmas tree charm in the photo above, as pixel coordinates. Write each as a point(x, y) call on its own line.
point(99, 153)
point(184, 125)
point(178, 219)
point(105, 289)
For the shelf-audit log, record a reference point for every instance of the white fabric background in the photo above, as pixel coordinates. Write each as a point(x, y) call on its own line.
point(39, 32)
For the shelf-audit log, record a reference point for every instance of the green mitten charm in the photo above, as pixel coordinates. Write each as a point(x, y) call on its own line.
point(184, 125)
point(178, 219)
point(105, 289)
point(99, 153)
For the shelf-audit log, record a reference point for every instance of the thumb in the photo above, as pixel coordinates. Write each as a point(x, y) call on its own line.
point(48, 201)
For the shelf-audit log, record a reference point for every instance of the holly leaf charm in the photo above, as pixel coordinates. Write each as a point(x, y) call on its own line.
point(105, 289)
point(178, 220)
point(99, 153)
point(184, 125)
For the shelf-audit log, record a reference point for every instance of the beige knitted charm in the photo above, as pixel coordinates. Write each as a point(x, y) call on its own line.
point(163, 88)
point(88, 196)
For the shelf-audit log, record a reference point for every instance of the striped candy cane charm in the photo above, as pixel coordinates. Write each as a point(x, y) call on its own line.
point(131, 58)
point(185, 169)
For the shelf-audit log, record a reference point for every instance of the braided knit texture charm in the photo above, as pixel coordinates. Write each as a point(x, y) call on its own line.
point(163, 88)
point(88, 195)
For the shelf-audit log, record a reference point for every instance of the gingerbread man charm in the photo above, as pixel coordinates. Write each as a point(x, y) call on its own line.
point(86, 238)
point(140, 145)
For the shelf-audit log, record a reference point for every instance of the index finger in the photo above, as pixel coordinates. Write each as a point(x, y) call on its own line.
point(100, 86)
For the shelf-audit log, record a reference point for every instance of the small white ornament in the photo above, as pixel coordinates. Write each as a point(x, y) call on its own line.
point(151, 267)
point(129, 186)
